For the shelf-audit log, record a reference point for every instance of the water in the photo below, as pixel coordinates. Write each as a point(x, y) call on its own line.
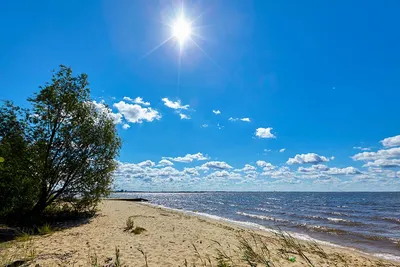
point(366, 221)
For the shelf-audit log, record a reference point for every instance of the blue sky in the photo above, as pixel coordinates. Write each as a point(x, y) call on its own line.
point(306, 91)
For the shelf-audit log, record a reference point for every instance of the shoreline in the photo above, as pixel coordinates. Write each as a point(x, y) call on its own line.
point(173, 237)
point(258, 227)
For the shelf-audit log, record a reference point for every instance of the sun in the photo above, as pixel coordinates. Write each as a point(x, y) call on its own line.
point(181, 30)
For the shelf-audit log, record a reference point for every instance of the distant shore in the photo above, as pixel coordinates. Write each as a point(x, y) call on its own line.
point(173, 238)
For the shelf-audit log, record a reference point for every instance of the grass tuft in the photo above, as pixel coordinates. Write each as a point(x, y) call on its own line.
point(130, 227)
point(255, 251)
point(144, 255)
point(20, 255)
point(130, 224)
point(117, 262)
point(45, 229)
point(23, 237)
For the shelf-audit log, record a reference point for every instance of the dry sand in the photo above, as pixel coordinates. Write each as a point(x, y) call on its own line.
point(169, 239)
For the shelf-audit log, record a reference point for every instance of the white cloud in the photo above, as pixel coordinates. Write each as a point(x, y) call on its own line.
point(342, 171)
point(174, 105)
point(191, 171)
point(129, 170)
point(217, 165)
point(379, 173)
point(189, 158)
point(224, 174)
point(135, 113)
point(219, 126)
point(361, 148)
point(282, 172)
point(204, 126)
point(264, 133)
point(261, 163)
point(101, 106)
point(145, 172)
point(311, 158)
point(391, 141)
point(126, 126)
point(314, 168)
point(251, 175)
point(265, 165)
point(127, 98)
point(216, 112)
point(268, 167)
point(166, 172)
point(282, 150)
point(384, 163)
point(137, 100)
point(248, 167)
point(146, 163)
point(184, 116)
point(381, 154)
point(165, 162)
point(240, 119)
point(321, 170)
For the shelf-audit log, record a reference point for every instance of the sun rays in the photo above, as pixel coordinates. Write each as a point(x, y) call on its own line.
point(182, 34)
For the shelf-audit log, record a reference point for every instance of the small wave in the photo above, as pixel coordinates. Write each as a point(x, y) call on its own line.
point(387, 256)
point(335, 231)
point(232, 205)
point(337, 220)
point(389, 219)
point(261, 217)
point(338, 213)
point(263, 209)
point(211, 209)
point(325, 229)
point(395, 240)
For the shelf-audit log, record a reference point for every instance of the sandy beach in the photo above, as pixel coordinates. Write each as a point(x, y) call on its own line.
point(173, 238)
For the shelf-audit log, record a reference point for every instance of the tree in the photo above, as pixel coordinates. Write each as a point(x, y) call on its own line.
point(17, 188)
point(69, 145)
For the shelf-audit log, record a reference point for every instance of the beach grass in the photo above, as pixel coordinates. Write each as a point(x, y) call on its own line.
point(18, 252)
point(253, 250)
point(130, 227)
point(45, 229)
point(171, 239)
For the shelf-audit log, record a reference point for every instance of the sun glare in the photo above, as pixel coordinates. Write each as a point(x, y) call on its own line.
point(183, 33)
point(181, 30)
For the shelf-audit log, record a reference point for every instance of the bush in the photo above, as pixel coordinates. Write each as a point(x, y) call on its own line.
point(60, 150)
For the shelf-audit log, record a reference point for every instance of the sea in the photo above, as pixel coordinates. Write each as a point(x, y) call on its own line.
point(367, 221)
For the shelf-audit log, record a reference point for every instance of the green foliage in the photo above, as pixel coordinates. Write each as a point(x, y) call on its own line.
point(45, 229)
point(17, 188)
point(61, 150)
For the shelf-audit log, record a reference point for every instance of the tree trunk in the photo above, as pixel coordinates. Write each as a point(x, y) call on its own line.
point(40, 205)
